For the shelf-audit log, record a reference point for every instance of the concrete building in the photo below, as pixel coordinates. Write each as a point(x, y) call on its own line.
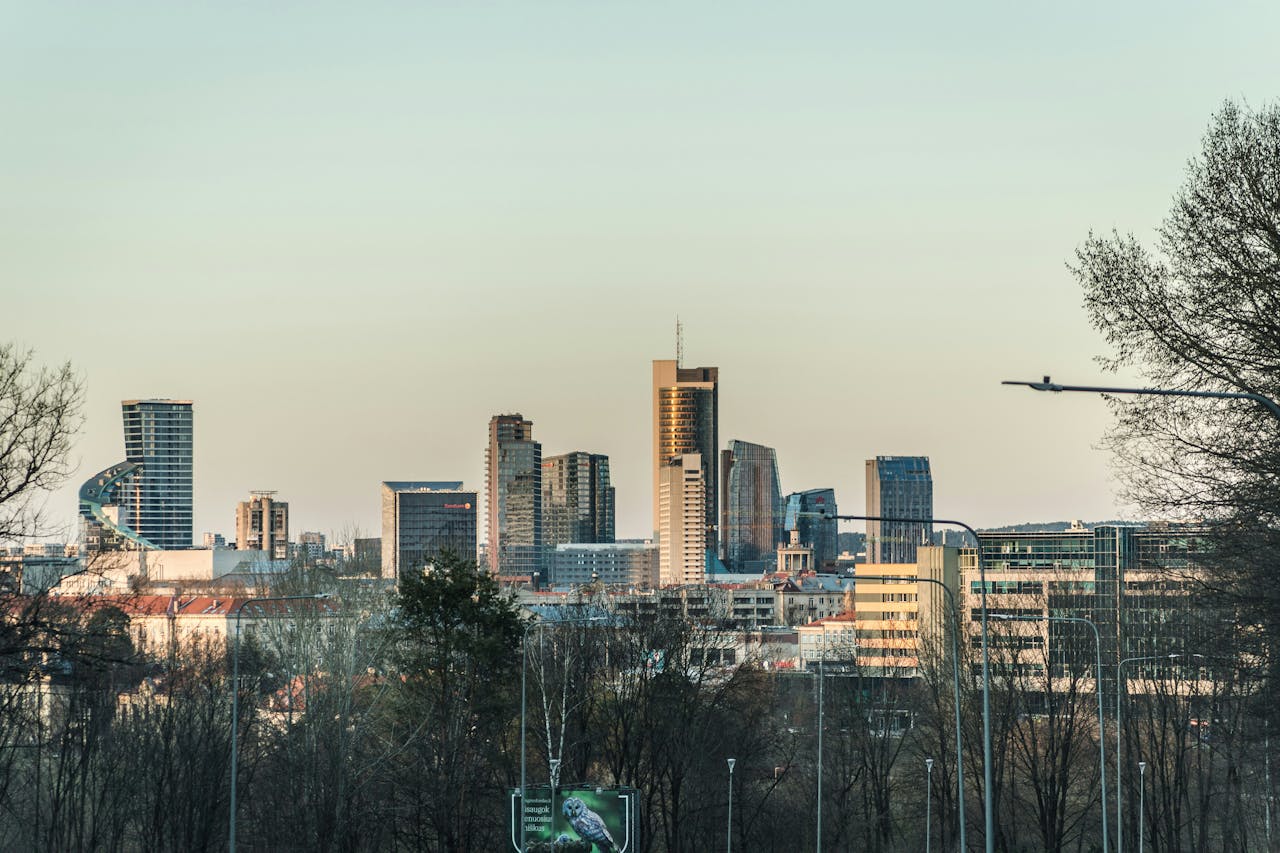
point(513, 484)
point(751, 507)
point(421, 519)
point(214, 540)
point(807, 513)
point(898, 487)
point(577, 499)
point(158, 438)
point(623, 563)
point(312, 546)
point(262, 524)
point(686, 413)
point(682, 530)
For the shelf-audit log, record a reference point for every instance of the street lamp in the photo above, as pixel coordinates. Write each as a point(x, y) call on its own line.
point(235, 698)
point(1142, 801)
point(988, 806)
point(955, 676)
point(728, 837)
point(1047, 385)
point(524, 694)
point(1097, 680)
point(928, 803)
point(1119, 730)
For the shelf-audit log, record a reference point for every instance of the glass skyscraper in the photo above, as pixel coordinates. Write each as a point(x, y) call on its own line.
point(898, 487)
point(752, 507)
point(577, 499)
point(804, 514)
point(158, 436)
point(513, 477)
point(686, 414)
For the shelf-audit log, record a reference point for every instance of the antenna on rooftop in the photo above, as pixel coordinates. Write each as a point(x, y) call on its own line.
point(679, 343)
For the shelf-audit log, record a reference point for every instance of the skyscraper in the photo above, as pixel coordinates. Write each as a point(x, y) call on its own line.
point(805, 515)
point(752, 508)
point(682, 531)
point(898, 487)
point(158, 436)
point(686, 420)
point(513, 479)
point(577, 499)
point(422, 519)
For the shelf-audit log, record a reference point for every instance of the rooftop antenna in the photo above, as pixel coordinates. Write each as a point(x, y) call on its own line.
point(679, 343)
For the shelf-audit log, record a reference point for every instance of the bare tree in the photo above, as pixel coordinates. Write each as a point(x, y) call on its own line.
point(39, 418)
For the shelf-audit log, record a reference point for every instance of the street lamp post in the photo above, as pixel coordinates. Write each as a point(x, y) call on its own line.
point(955, 677)
point(928, 803)
point(235, 699)
point(1142, 801)
point(524, 694)
point(1097, 680)
point(1119, 743)
point(728, 836)
point(1271, 405)
point(988, 805)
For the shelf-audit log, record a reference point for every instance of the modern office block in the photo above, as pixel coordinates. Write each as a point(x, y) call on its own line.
point(629, 564)
point(1139, 585)
point(812, 514)
point(577, 499)
point(751, 508)
point(898, 487)
point(262, 524)
point(682, 543)
point(513, 480)
point(158, 438)
point(686, 421)
point(420, 520)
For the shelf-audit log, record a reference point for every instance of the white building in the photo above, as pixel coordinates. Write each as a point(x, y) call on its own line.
point(682, 531)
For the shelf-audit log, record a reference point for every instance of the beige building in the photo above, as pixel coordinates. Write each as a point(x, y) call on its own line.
point(895, 618)
point(262, 524)
point(682, 531)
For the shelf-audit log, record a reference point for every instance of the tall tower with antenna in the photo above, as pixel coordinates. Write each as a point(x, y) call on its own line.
point(686, 416)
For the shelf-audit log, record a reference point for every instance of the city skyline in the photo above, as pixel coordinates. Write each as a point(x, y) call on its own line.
point(873, 237)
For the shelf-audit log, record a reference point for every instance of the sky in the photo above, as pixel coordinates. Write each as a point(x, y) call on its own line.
point(353, 232)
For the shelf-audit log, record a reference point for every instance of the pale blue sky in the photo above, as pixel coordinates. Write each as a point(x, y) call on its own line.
point(352, 232)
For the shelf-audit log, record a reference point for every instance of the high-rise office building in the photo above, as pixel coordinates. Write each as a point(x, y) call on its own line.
point(513, 480)
point(420, 520)
point(686, 420)
point(682, 530)
point(811, 514)
point(898, 487)
point(577, 499)
point(751, 508)
point(262, 524)
point(158, 436)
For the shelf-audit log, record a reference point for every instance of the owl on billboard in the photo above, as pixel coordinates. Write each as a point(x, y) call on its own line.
point(588, 824)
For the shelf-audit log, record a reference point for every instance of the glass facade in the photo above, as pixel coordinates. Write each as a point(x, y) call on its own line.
point(804, 514)
point(158, 436)
point(513, 477)
point(577, 499)
point(753, 507)
point(898, 487)
point(686, 421)
point(422, 519)
point(1135, 584)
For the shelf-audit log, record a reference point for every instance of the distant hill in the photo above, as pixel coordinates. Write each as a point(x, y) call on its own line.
point(1052, 526)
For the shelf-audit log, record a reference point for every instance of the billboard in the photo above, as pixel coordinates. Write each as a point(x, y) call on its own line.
point(576, 820)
